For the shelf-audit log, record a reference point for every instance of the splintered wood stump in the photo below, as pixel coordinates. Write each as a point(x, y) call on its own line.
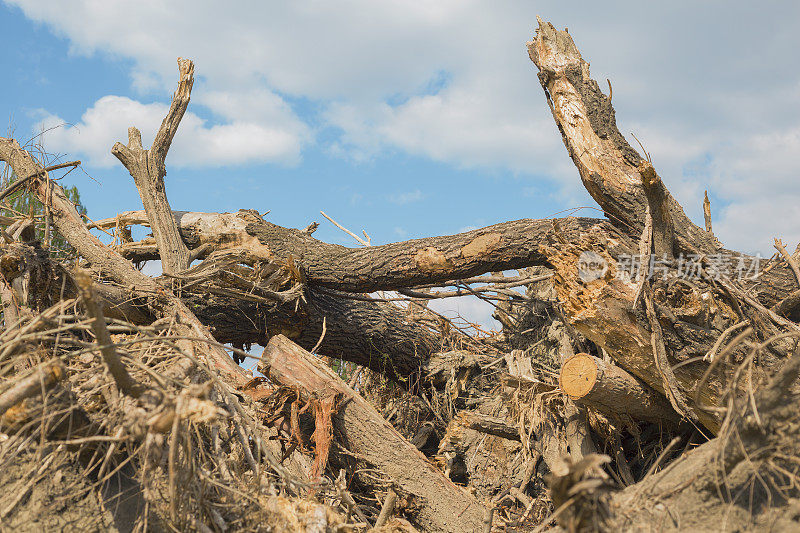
point(592, 382)
point(442, 505)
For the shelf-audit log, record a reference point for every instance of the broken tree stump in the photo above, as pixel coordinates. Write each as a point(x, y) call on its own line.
point(442, 505)
point(592, 382)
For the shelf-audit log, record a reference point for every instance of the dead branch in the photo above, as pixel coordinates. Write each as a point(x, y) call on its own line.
point(71, 226)
point(147, 168)
point(610, 389)
point(38, 382)
point(608, 166)
point(125, 383)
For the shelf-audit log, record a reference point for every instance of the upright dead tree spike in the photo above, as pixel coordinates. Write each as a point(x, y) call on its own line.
point(707, 212)
point(607, 164)
point(658, 201)
point(148, 169)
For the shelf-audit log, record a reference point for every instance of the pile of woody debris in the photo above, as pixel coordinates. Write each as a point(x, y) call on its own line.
point(644, 376)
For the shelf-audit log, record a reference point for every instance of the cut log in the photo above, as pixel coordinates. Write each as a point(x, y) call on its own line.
point(443, 506)
point(592, 382)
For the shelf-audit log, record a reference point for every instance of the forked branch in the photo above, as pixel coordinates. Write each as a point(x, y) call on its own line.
point(148, 169)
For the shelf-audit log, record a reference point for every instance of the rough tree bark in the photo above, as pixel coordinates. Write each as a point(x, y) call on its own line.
point(668, 354)
point(504, 246)
point(607, 164)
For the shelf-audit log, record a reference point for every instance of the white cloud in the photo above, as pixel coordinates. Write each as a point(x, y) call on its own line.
point(196, 144)
point(451, 81)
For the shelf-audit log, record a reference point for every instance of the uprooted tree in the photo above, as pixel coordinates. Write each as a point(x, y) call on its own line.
point(645, 374)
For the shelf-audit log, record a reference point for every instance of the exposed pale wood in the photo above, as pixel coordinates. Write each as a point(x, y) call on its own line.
point(607, 164)
point(364, 432)
point(602, 310)
point(387, 509)
point(658, 201)
point(592, 382)
point(707, 212)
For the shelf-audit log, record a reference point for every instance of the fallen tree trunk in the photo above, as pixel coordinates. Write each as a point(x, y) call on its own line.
point(363, 431)
point(592, 382)
point(691, 320)
point(371, 333)
point(504, 246)
point(404, 264)
point(666, 346)
point(377, 335)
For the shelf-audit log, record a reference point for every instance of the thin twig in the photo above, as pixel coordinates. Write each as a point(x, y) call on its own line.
point(353, 235)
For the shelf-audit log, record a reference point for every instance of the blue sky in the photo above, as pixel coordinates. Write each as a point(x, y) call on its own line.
point(409, 119)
